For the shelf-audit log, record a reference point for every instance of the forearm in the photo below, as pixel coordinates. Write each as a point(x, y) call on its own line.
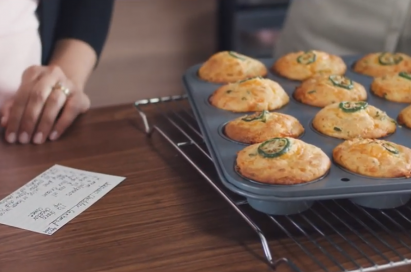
point(76, 58)
point(81, 33)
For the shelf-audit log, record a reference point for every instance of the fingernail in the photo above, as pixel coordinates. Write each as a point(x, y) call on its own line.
point(11, 138)
point(24, 138)
point(38, 138)
point(54, 135)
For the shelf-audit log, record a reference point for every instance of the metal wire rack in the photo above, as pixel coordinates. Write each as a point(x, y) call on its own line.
point(332, 236)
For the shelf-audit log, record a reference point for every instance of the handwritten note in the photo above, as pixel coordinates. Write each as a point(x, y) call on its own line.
point(53, 198)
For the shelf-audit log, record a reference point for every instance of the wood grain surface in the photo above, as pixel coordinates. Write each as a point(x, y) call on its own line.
point(163, 217)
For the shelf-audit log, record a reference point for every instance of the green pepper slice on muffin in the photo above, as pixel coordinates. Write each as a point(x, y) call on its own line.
point(353, 106)
point(235, 55)
point(390, 148)
point(389, 58)
point(307, 58)
point(405, 75)
point(256, 116)
point(341, 81)
point(274, 148)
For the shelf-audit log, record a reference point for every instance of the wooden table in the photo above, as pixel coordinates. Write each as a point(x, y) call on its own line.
point(163, 217)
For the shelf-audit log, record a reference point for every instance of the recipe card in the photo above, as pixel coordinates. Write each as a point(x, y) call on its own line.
point(53, 198)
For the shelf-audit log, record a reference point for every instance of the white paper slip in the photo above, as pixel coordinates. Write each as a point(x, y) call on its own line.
point(53, 198)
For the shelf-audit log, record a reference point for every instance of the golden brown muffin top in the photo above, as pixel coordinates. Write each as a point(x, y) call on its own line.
point(303, 65)
point(229, 66)
point(404, 118)
point(350, 119)
point(383, 63)
point(393, 87)
point(375, 158)
point(261, 126)
point(283, 161)
point(255, 94)
point(320, 91)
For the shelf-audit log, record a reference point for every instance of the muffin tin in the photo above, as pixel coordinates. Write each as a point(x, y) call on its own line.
point(378, 193)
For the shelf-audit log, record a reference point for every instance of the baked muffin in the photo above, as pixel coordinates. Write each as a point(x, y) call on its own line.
point(347, 120)
point(393, 87)
point(255, 94)
point(261, 126)
point(374, 158)
point(282, 161)
point(404, 118)
point(302, 65)
point(229, 66)
point(320, 91)
point(382, 63)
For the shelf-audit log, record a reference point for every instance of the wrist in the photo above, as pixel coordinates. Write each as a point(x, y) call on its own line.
point(76, 59)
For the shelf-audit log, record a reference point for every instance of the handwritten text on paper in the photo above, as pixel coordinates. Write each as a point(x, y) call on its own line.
point(53, 198)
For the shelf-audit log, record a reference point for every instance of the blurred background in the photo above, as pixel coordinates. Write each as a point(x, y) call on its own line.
point(152, 42)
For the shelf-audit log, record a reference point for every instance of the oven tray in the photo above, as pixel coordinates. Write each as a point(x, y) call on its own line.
point(285, 199)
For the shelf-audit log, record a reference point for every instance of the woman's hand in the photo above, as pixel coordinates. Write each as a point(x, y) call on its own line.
point(45, 105)
point(50, 97)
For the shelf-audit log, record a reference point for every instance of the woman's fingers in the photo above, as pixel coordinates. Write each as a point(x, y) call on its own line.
point(33, 114)
point(53, 106)
point(76, 105)
point(39, 96)
point(5, 112)
point(13, 123)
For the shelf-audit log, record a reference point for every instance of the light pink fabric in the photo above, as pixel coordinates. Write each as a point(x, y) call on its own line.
point(20, 45)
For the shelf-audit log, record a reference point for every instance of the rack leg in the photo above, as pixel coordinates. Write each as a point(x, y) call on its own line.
point(267, 252)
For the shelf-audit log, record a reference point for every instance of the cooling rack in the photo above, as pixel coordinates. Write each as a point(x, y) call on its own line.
point(333, 235)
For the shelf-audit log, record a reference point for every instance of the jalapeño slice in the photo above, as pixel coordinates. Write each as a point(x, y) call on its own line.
point(307, 58)
point(390, 148)
point(256, 116)
point(247, 79)
point(235, 55)
point(389, 58)
point(405, 75)
point(341, 81)
point(274, 148)
point(353, 106)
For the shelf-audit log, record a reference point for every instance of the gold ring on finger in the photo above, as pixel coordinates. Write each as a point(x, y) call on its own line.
point(59, 86)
